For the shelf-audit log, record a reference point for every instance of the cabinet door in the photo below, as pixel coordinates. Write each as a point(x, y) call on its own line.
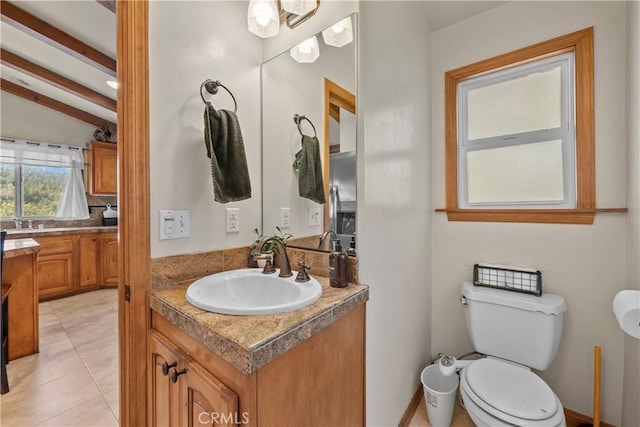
point(88, 262)
point(110, 259)
point(55, 275)
point(104, 170)
point(163, 403)
point(207, 401)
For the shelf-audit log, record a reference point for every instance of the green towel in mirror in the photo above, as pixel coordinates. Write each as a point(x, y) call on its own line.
point(225, 148)
point(309, 167)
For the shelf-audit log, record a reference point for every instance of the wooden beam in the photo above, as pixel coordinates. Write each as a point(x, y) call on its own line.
point(25, 93)
point(18, 63)
point(53, 36)
point(109, 4)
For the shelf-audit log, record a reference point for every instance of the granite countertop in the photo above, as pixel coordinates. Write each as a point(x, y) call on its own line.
point(250, 342)
point(19, 247)
point(59, 231)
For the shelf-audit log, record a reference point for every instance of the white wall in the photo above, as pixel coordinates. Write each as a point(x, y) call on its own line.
point(24, 119)
point(631, 386)
point(188, 43)
point(585, 264)
point(394, 207)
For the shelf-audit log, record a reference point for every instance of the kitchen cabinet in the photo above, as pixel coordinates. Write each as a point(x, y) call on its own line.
point(109, 248)
point(318, 382)
point(73, 263)
point(88, 261)
point(55, 266)
point(182, 392)
point(104, 168)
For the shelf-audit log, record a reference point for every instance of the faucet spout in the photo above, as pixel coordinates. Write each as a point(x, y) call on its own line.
point(323, 239)
point(281, 251)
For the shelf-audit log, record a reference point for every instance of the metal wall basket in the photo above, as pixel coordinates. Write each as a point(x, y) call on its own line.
point(516, 280)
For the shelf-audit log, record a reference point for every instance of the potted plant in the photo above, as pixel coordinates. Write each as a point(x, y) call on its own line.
point(269, 248)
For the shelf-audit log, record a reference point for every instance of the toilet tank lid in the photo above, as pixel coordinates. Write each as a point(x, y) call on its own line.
point(546, 303)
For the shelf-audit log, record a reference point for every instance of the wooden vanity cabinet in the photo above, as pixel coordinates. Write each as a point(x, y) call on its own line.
point(104, 169)
point(183, 393)
point(319, 382)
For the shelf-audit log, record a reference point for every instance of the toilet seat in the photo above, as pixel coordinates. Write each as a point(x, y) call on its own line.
point(511, 394)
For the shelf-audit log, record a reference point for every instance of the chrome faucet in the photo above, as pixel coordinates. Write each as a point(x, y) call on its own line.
point(18, 223)
point(281, 251)
point(323, 239)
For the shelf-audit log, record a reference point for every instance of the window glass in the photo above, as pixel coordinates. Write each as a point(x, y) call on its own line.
point(516, 174)
point(522, 104)
point(7, 190)
point(42, 189)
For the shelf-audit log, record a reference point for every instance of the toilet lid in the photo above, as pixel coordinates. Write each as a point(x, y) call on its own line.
point(511, 389)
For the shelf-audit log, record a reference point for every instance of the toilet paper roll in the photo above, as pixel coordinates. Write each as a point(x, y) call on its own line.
point(626, 307)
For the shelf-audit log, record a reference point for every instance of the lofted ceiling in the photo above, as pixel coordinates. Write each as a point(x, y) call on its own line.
point(60, 54)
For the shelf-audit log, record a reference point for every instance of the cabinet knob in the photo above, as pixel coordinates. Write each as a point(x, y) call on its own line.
point(175, 374)
point(166, 366)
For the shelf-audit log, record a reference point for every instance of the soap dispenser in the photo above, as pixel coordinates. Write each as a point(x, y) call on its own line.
point(338, 267)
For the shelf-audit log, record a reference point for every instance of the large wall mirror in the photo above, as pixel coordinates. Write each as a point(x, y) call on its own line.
point(324, 92)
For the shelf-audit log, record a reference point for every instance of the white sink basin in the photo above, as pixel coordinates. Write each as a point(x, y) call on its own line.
point(249, 292)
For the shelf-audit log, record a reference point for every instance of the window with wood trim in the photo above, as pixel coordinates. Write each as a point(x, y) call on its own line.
point(520, 135)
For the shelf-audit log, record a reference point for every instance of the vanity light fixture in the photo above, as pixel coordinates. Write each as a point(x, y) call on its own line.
point(298, 7)
point(307, 51)
point(263, 19)
point(339, 34)
point(113, 84)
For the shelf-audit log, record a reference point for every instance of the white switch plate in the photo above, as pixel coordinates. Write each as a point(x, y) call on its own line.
point(233, 220)
point(285, 217)
point(315, 216)
point(174, 224)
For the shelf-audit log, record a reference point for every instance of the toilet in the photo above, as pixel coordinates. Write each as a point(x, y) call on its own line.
point(516, 332)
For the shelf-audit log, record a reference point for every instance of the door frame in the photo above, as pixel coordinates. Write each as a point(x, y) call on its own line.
point(134, 248)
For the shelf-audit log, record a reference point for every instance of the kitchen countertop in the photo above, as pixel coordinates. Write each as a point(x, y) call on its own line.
point(19, 247)
point(250, 342)
point(59, 231)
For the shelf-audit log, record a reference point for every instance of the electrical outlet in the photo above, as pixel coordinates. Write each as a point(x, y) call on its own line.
point(315, 217)
point(233, 220)
point(285, 217)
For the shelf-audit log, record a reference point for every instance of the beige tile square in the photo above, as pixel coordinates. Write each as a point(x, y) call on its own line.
point(54, 340)
point(95, 326)
point(79, 308)
point(108, 295)
point(38, 404)
point(113, 399)
point(94, 413)
point(46, 315)
point(31, 371)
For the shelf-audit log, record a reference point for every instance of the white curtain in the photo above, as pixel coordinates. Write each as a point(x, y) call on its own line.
point(73, 204)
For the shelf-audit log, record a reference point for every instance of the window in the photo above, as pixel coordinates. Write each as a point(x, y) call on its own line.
point(40, 181)
point(519, 135)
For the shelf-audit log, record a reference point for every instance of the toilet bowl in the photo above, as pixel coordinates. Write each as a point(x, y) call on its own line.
point(499, 393)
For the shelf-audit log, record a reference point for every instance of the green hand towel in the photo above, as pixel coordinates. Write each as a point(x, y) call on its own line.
point(225, 148)
point(309, 167)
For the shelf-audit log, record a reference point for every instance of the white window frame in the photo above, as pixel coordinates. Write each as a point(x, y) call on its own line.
point(565, 132)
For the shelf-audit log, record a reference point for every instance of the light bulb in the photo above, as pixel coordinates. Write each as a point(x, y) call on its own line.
point(305, 46)
point(261, 12)
point(337, 28)
point(112, 84)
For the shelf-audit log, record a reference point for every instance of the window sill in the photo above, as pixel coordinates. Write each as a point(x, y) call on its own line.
point(546, 216)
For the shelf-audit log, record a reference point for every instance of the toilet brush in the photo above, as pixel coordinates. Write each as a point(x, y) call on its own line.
point(596, 389)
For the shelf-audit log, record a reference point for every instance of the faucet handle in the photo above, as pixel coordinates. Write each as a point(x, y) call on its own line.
point(268, 267)
point(302, 276)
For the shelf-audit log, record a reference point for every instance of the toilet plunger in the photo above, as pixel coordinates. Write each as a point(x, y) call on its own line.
point(596, 389)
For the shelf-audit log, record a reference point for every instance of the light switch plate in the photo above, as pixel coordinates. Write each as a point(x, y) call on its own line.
point(174, 224)
point(285, 217)
point(315, 216)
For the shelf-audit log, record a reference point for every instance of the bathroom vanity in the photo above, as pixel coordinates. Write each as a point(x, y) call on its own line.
point(305, 367)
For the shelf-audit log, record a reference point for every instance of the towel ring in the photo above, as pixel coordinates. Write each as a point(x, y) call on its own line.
point(212, 87)
point(297, 118)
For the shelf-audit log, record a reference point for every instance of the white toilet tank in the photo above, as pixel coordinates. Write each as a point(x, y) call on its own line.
point(519, 327)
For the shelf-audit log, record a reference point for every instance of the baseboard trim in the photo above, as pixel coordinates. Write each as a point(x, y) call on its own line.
point(411, 409)
point(575, 418)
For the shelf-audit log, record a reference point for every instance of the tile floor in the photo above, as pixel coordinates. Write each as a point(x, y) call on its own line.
point(73, 381)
